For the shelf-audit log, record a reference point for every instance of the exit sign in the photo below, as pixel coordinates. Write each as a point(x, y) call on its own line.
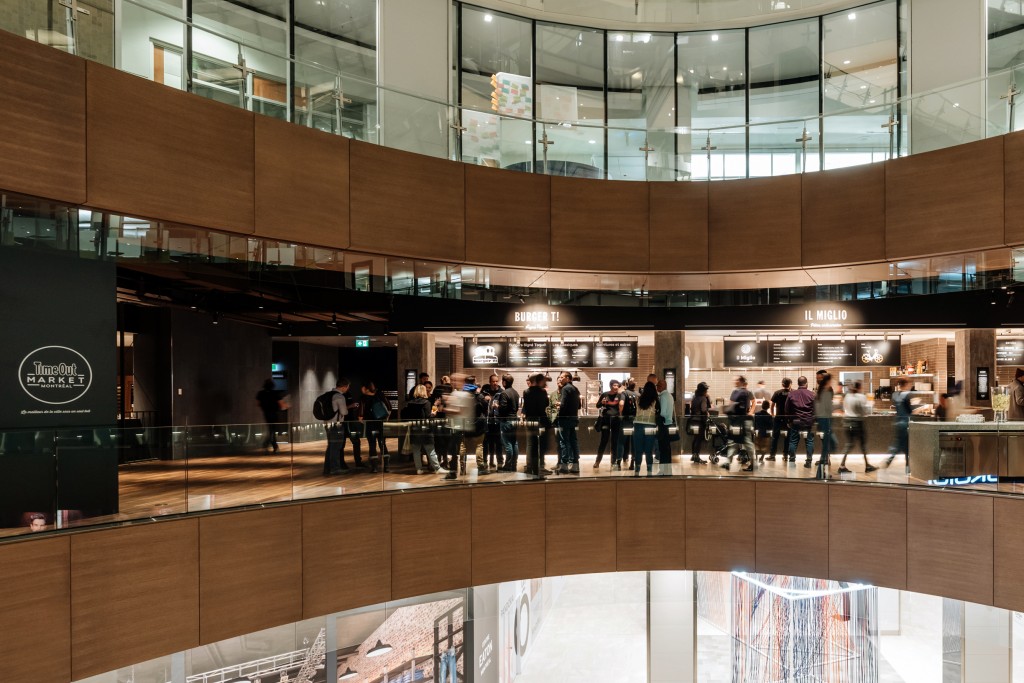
point(362, 343)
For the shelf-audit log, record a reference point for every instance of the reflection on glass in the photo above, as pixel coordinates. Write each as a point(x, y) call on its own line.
point(152, 44)
point(712, 95)
point(1005, 53)
point(860, 85)
point(784, 82)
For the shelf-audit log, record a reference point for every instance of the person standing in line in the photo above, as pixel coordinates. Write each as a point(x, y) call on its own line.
point(352, 426)
point(901, 423)
point(609, 423)
point(700, 409)
point(423, 379)
point(666, 419)
point(645, 428)
point(443, 432)
point(1016, 410)
point(823, 407)
point(492, 438)
point(740, 424)
point(800, 412)
point(420, 435)
point(271, 403)
point(779, 419)
point(508, 422)
point(833, 441)
point(855, 409)
point(627, 411)
point(762, 430)
point(568, 421)
point(538, 425)
point(376, 409)
point(761, 393)
point(335, 428)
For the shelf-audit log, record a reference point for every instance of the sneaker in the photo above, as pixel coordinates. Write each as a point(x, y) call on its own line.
point(771, 457)
point(451, 475)
point(617, 467)
point(807, 464)
point(441, 470)
point(868, 468)
point(748, 468)
point(843, 470)
point(725, 465)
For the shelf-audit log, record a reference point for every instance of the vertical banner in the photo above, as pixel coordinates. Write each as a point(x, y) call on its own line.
point(57, 343)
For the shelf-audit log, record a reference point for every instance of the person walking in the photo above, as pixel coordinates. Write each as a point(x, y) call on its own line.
point(508, 423)
point(538, 425)
point(700, 410)
point(855, 409)
point(901, 423)
point(823, 407)
point(779, 419)
point(740, 424)
point(467, 412)
point(666, 420)
point(609, 423)
point(800, 412)
point(645, 428)
point(271, 403)
point(421, 434)
point(568, 421)
point(833, 441)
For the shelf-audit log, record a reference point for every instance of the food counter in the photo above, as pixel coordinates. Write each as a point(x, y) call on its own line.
point(941, 450)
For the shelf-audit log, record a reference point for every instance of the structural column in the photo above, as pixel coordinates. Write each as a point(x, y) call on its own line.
point(671, 627)
point(670, 355)
point(975, 349)
point(416, 355)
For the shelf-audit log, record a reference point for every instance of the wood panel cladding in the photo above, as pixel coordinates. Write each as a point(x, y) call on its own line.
point(508, 218)
point(423, 562)
point(580, 528)
point(949, 545)
point(508, 533)
point(35, 591)
point(843, 216)
point(130, 581)
point(42, 120)
point(731, 505)
point(651, 531)
point(745, 215)
point(161, 153)
point(1009, 553)
point(679, 227)
point(334, 577)
point(301, 184)
point(1013, 177)
point(867, 532)
point(781, 509)
point(599, 225)
point(945, 201)
point(407, 204)
point(250, 571)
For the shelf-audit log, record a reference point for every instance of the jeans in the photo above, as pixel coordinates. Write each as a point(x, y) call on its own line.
point(447, 666)
point(568, 444)
point(423, 443)
point(855, 432)
point(611, 433)
point(900, 436)
point(625, 443)
point(335, 443)
point(778, 424)
point(375, 437)
point(828, 439)
point(697, 441)
point(644, 437)
point(794, 439)
point(494, 445)
point(510, 442)
point(664, 449)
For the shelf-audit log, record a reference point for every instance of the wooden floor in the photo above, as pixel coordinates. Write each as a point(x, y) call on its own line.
point(155, 488)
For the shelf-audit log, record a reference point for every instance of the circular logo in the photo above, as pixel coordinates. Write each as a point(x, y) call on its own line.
point(745, 349)
point(55, 375)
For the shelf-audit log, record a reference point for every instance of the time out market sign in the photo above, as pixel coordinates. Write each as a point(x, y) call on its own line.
point(55, 375)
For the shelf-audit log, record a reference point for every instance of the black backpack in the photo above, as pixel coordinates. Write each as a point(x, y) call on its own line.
point(628, 404)
point(323, 406)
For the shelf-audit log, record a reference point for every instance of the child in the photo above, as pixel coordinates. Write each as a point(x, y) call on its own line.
point(762, 430)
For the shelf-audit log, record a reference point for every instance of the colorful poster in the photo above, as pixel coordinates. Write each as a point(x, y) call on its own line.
point(513, 95)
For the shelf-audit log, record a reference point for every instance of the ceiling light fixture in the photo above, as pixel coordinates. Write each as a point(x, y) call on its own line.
point(851, 16)
point(846, 61)
point(714, 37)
point(349, 673)
point(488, 18)
point(381, 648)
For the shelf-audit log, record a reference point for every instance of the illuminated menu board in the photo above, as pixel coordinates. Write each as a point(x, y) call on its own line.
point(572, 354)
point(740, 354)
point(529, 354)
point(1010, 352)
point(789, 353)
point(484, 353)
point(615, 354)
point(832, 354)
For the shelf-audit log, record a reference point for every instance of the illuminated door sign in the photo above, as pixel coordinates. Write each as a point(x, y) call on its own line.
point(362, 343)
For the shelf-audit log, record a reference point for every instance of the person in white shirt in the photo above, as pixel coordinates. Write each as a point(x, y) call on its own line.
point(855, 409)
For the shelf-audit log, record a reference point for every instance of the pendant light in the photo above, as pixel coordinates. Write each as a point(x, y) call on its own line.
point(349, 673)
point(381, 648)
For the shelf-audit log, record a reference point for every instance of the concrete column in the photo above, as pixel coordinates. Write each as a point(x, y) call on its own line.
point(415, 352)
point(669, 353)
point(987, 655)
point(974, 349)
point(671, 627)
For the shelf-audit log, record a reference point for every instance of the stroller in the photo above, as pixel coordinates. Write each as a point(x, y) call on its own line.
point(721, 435)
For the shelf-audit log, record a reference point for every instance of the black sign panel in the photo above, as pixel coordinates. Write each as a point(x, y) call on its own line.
point(615, 354)
point(789, 353)
point(878, 352)
point(981, 387)
point(57, 353)
point(529, 354)
point(832, 354)
point(740, 354)
point(572, 354)
point(485, 353)
point(1010, 352)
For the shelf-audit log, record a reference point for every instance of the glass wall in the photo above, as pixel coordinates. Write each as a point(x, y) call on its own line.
point(1005, 52)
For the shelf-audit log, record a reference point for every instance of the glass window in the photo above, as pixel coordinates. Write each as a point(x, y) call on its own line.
point(499, 48)
point(1005, 54)
point(641, 106)
point(570, 99)
point(861, 75)
point(336, 69)
point(784, 86)
point(712, 104)
point(152, 45)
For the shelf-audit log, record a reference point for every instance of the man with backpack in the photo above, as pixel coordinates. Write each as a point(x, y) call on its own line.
point(627, 409)
point(332, 409)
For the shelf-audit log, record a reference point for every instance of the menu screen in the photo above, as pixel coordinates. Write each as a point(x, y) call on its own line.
point(789, 353)
point(529, 354)
point(1010, 352)
point(615, 354)
point(833, 354)
point(485, 353)
point(575, 354)
point(878, 352)
point(740, 354)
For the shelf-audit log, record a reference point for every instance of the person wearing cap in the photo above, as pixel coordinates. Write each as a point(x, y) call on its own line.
point(609, 423)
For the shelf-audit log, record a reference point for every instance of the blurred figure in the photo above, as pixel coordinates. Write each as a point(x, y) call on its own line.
point(901, 423)
point(942, 408)
point(855, 408)
point(271, 403)
point(740, 426)
point(421, 434)
point(443, 432)
point(645, 428)
point(609, 423)
point(467, 413)
point(762, 430)
point(666, 419)
point(538, 425)
point(1016, 411)
point(823, 413)
point(761, 393)
point(700, 409)
point(800, 412)
point(833, 440)
point(568, 421)
point(779, 419)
